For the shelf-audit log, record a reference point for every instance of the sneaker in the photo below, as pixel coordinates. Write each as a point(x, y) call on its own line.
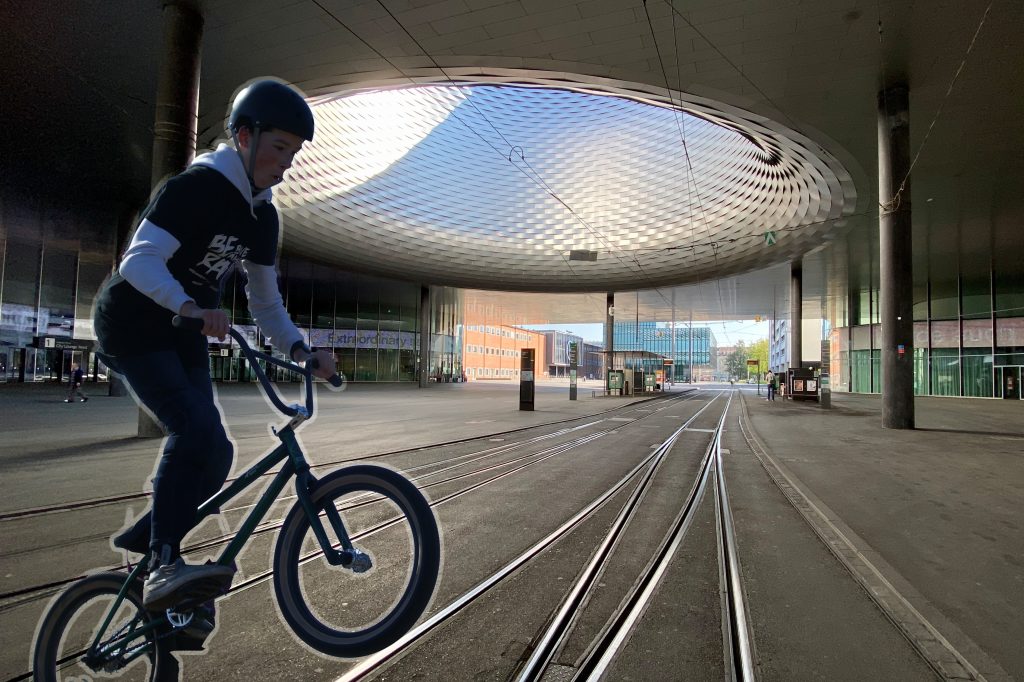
point(136, 538)
point(178, 582)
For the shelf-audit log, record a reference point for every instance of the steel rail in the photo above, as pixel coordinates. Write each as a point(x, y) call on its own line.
point(560, 626)
point(391, 653)
point(740, 659)
point(616, 633)
point(43, 590)
point(62, 507)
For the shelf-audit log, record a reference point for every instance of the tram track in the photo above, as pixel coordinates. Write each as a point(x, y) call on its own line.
point(30, 512)
point(645, 470)
point(737, 654)
point(21, 596)
point(614, 635)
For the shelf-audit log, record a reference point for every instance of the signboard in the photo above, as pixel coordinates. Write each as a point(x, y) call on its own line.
point(769, 238)
point(615, 379)
point(826, 362)
point(753, 363)
point(668, 362)
point(63, 343)
point(526, 382)
point(574, 354)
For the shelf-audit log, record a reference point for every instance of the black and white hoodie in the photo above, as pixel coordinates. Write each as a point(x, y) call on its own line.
point(193, 232)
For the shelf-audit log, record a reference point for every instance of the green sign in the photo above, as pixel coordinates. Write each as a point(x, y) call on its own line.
point(769, 238)
point(615, 380)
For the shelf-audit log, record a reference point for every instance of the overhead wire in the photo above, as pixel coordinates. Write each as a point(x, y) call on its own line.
point(894, 203)
point(681, 126)
point(535, 177)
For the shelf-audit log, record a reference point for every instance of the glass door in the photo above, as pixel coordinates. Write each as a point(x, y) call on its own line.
point(1009, 382)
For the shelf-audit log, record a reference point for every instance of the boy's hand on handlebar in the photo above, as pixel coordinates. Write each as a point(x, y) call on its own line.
point(215, 322)
point(322, 363)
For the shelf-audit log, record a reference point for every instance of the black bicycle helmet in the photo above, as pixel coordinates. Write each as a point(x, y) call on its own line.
point(265, 104)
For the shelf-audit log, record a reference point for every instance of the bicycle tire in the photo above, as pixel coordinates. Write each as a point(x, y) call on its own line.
point(61, 613)
point(422, 572)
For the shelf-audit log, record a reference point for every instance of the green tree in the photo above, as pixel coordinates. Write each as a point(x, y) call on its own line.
point(759, 351)
point(736, 361)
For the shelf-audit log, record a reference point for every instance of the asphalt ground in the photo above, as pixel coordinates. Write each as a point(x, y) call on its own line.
point(937, 509)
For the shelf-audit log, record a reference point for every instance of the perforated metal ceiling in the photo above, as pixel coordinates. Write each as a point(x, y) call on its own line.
point(492, 186)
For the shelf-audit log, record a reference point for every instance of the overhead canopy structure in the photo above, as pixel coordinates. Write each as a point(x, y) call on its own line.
point(776, 102)
point(534, 188)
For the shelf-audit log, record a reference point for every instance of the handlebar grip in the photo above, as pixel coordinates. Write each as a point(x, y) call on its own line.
point(191, 323)
point(334, 380)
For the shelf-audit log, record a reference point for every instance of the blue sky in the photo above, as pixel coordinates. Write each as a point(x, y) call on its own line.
point(726, 333)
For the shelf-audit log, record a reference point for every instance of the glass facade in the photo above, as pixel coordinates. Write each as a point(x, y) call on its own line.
point(968, 314)
point(371, 324)
point(52, 262)
point(657, 338)
point(52, 265)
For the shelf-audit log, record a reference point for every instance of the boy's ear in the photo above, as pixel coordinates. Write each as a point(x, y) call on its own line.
point(244, 136)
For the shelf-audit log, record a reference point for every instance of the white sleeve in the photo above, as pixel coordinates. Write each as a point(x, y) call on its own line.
point(267, 307)
point(145, 266)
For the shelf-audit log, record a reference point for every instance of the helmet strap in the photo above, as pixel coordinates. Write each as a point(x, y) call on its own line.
point(254, 141)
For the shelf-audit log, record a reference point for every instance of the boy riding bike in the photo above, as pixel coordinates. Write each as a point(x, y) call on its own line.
point(198, 226)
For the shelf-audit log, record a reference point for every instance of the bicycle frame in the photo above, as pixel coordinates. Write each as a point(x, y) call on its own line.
point(295, 465)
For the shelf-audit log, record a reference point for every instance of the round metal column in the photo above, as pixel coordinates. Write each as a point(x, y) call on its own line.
point(177, 94)
point(896, 259)
point(177, 105)
point(796, 315)
point(424, 350)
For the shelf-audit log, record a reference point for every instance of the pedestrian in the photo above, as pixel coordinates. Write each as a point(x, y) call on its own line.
point(199, 224)
point(75, 384)
point(770, 380)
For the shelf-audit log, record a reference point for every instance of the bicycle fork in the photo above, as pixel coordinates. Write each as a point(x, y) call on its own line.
point(348, 556)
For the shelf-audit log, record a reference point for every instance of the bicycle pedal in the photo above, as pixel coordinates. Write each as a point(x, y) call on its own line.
point(361, 562)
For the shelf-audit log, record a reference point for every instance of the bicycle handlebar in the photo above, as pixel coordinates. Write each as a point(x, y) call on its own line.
point(196, 324)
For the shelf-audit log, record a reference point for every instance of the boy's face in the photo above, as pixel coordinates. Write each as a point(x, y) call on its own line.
point(274, 155)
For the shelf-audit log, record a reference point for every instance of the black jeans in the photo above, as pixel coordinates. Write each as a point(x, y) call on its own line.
point(175, 386)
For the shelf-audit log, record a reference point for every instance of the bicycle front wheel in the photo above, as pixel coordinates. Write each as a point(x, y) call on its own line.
point(336, 610)
point(129, 648)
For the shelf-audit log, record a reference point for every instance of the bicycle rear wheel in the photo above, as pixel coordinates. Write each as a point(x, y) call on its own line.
point(69, 627)
point(335, 610)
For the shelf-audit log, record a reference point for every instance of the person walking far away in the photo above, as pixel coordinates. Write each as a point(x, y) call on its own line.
point(197, 227)
point(770, 380)
point(75, 384)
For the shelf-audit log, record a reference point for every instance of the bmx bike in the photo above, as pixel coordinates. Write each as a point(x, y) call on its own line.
point(354, 566)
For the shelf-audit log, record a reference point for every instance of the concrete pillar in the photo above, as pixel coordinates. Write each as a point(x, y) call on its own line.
point(895, 247)
point(177, 93)
point(177, 104)
point(609, 332)
point(424, 336)
point(796, 315)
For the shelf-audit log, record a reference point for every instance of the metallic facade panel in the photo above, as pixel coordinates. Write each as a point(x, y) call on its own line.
point(494, 185)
